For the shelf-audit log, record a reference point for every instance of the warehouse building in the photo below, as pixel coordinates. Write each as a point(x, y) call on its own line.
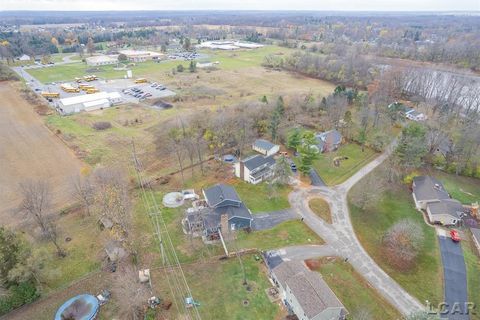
point(101, 60)
point(88, 102)
point(141, 56)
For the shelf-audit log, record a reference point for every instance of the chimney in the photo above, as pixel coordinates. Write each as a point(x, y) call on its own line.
point(242, 170)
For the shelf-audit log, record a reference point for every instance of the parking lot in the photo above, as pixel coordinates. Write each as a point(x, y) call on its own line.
point(129, 90)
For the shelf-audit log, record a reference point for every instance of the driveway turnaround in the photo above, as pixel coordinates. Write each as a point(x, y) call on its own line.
point(341, 240)
point(455, 278)
point(267, 220)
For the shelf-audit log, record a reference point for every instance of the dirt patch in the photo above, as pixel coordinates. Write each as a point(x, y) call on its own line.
point(28, 150)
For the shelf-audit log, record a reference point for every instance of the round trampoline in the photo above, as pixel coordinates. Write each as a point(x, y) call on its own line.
point(82, 307)
point(173, 200)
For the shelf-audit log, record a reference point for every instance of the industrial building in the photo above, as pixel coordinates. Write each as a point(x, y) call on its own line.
point(141, 56)
point(88, 102)
point(101, 60)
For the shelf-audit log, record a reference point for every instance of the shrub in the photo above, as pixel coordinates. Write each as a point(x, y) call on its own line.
point(102, 125)
point(19, 295)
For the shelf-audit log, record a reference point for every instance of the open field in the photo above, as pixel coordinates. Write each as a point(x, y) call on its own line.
point(356, 160)
point(353, 291)
point(28, 150)
point(321, 208)
point(424, 280)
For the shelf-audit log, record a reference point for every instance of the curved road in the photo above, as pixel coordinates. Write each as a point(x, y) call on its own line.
point(341, 240)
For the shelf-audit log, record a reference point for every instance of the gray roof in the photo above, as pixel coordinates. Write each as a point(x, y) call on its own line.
point(446, 207)
point(219, 193)
point(256, 161)
point(288, 269)
point(263, 144)
point(233, 211)
point(311, 291)
point(429, 188)
point(333, 136)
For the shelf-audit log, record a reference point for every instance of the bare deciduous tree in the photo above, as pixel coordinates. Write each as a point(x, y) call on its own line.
point(402, 243)
point(84, 192)
point(37, 205)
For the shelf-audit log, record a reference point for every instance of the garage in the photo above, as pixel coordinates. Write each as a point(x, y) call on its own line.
point(88, 102)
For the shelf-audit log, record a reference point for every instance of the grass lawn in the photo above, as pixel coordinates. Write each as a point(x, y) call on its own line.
point(464, 189)
point(68, 72)
point(321, 208)
point(83, 251)
point(356, 160)
point(218, 287)
point(288, 233)
point(472, 262)
point(354, 292)
point(257, 197)
point(424, 281)
point(244, 58)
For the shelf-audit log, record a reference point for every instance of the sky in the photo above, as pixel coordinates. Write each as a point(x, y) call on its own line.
point(327, 5)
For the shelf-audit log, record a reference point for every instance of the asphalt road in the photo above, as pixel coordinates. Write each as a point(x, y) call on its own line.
point(455, 276)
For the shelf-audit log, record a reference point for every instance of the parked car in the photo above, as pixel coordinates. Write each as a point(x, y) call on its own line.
point(454, 235)
point(293, 166)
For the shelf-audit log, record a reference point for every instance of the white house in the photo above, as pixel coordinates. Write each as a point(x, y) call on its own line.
point(24, 57)
point(265, 147)
point(255, 169)
point(305, 293)
point(414, 115)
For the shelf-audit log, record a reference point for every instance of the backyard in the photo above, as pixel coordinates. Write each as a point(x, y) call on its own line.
point(218, 287)
point(356, 160)
point(424, 280)
point(360, 299)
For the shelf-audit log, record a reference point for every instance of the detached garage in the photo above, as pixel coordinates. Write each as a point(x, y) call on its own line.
point(88, 102)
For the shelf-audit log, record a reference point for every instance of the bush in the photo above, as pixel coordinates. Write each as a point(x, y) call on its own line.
point(180, 68)
point(21, 294)
point(102, 125)
point(7, 74)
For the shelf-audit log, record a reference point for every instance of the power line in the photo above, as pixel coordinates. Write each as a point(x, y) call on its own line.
point(177, 283)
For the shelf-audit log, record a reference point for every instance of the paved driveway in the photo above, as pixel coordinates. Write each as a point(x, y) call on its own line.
point(269, 220)
point(316, 179)
point(455, 277)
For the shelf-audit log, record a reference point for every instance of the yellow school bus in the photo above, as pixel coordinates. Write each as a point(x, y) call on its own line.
point(50, 94)
point(141, 80)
